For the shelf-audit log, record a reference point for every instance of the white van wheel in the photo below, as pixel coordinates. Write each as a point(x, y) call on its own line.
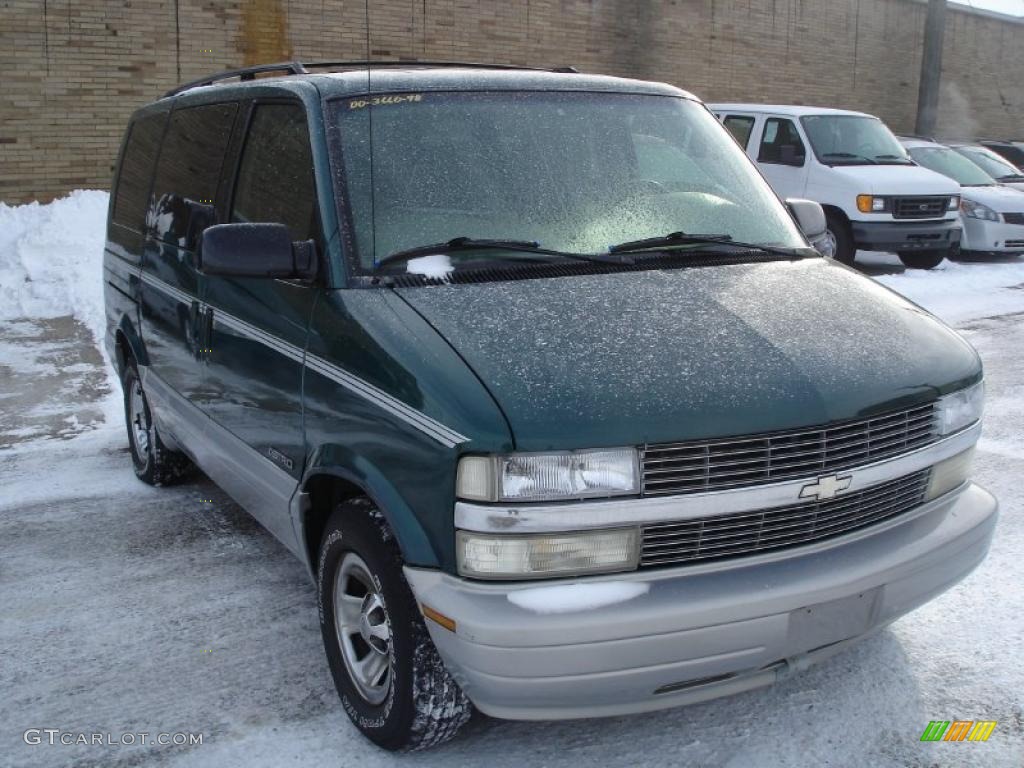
point(838, 233)
point(922, 259)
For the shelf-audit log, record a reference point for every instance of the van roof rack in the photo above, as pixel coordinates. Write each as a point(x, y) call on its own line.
point(296, 67)
point(434, 63)
point(245, 73)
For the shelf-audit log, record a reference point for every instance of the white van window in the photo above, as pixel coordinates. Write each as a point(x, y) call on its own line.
point(741, 127)
point(781, 143)
point(853, 140)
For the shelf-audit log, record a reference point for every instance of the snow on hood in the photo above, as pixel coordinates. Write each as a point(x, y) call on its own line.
point(894, 180)
point(662, 355)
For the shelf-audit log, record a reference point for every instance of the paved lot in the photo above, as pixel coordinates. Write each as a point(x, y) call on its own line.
point(127, 609)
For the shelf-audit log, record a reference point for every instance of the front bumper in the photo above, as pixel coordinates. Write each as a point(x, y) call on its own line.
point(982, 236)
point(701, 631)
point(906, 235)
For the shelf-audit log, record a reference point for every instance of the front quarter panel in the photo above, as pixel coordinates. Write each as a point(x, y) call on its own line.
point(390, 407)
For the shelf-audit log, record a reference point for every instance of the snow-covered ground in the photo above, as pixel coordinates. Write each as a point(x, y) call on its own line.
point(128, 609)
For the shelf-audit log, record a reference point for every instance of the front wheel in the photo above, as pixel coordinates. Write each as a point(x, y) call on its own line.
point(840, 238)
point(922, 259)
point(392, 682)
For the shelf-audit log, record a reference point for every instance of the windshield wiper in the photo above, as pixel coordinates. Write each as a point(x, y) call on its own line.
point(673, 239)
point(899, 160)
point(532, 247)
point(850, 156)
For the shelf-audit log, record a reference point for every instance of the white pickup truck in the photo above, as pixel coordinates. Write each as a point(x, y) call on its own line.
point(875, 197)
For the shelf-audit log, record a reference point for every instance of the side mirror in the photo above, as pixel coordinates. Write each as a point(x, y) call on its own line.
point(809, 216)
point(256, 250)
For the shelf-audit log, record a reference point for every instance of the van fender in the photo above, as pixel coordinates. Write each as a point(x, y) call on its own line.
point(342, 463)
point(127, 330)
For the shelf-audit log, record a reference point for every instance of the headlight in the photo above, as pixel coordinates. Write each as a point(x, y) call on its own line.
point(548, 476)
point(949, 474)
point(960, 409)
point(977, 210)
point(502, 556)
point(872, 204)
point(954, 203)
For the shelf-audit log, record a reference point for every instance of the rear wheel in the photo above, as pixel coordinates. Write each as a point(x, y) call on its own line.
point(837, 233)
point(922, 259)
point(154, 463)
point(392, 682)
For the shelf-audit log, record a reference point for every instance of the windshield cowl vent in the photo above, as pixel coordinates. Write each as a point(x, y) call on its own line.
point(491, 274)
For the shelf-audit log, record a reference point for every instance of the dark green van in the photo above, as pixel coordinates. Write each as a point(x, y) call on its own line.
point(539, 378)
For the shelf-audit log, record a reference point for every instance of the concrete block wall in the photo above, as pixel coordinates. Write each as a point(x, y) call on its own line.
point(73, 70)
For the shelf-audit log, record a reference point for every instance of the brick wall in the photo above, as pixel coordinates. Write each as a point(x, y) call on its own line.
point(73, 71)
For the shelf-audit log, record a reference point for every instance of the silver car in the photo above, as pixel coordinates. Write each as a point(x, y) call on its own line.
point(992, 213)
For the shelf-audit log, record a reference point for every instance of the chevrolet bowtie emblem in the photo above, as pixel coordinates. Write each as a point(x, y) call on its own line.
point(827, 487)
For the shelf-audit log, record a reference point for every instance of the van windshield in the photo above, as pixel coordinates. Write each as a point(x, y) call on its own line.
point(853, 140)
point(952, 164)
point(573, 172)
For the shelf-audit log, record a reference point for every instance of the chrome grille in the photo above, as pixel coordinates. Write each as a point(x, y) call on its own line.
point(1013, 218)
point(919, 207)
point(671, 468)
point(724, 536)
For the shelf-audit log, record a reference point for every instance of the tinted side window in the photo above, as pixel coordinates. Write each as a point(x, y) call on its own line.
point(781, 143)
point(136, 171)
point(275, 178)
point(188, 172)
point(740, 126)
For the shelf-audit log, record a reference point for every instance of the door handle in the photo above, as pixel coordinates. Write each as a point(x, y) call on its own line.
point(207, 332)
point(194, 332)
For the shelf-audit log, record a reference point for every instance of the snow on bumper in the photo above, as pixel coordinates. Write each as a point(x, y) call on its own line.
point(698, 632)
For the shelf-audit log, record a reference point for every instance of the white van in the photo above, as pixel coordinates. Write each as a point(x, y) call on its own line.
point(875, 197)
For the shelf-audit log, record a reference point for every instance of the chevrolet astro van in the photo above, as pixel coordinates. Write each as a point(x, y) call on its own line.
point(539, 378)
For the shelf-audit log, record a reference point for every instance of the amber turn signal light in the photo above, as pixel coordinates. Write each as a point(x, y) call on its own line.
point(438, 618)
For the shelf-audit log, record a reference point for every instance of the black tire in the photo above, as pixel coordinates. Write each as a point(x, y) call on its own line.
point(922, 259)
point(153, 462)
point(422, 705)
point(839, 229)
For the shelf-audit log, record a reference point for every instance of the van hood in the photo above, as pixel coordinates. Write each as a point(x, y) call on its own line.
point(665, 355)
point(895, 180)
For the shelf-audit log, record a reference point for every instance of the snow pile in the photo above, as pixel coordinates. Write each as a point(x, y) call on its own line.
point(51, 259)
point(51, 265)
